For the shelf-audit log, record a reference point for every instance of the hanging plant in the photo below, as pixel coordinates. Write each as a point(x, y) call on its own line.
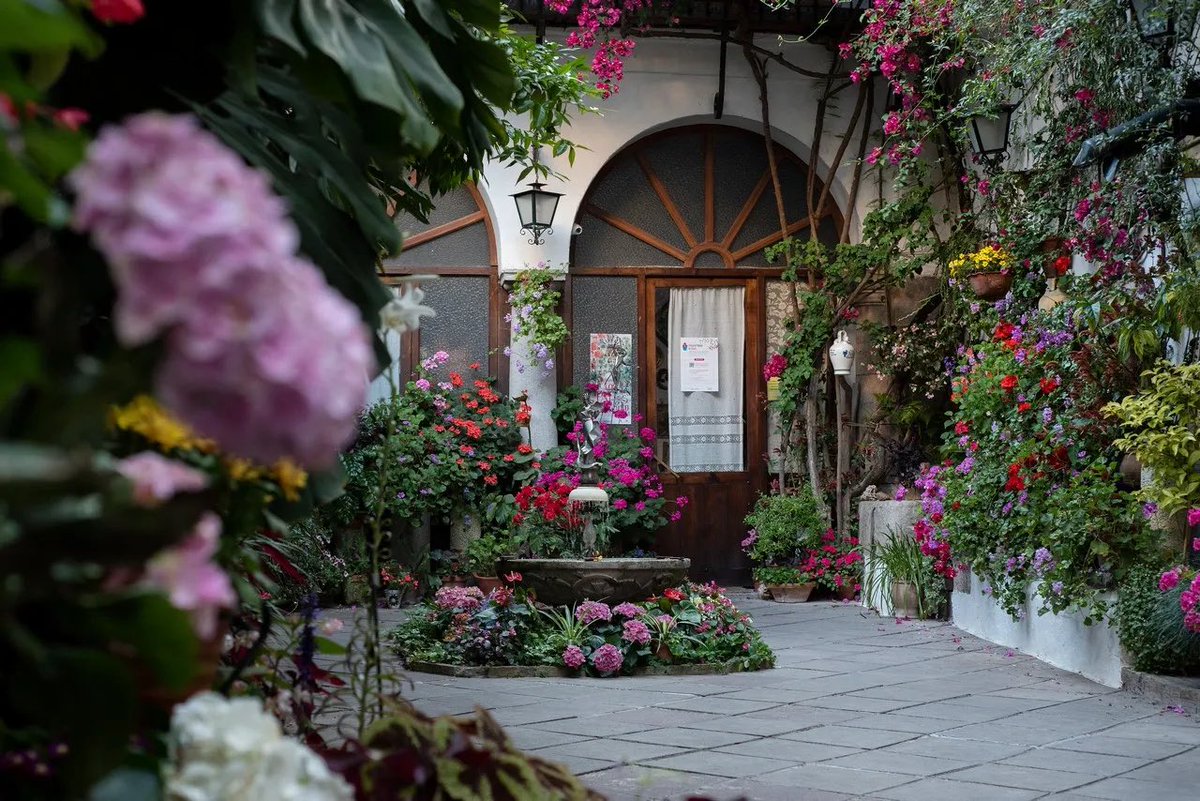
point(534, 316)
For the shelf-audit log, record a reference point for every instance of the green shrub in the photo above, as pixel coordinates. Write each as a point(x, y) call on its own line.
point(784, 527)
point(1150, 624)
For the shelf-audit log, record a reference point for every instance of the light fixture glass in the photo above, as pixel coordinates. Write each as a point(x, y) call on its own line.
point(1154, 20)
point(989, 133)
point(536, 207)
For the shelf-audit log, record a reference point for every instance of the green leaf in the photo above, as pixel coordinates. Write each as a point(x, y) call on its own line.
point(156, 631)
point(276, 18)
point(44, 25)
point(329, 647)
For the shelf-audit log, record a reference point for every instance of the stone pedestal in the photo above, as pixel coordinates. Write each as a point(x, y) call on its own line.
point(878, 522)
point(463, 531)
point(527, 375)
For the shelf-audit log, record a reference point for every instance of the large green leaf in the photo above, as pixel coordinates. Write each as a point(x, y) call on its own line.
point(277, 18)
point(28, 26)
point(148, 625)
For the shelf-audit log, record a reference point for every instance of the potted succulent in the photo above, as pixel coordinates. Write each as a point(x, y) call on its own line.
point(788, 585)
point(987, 270)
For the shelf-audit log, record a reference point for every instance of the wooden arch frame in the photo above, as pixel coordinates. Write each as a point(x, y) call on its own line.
point(698, 242)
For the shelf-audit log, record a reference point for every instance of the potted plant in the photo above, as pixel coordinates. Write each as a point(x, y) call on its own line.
point(447, 568)
point(788, 585)
point(987, 270)
point(481, 559)
point(916, 590)
point(784, 531)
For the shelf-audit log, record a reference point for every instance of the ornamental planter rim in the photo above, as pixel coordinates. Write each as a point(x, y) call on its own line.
point(990, 285)
point(565, 582)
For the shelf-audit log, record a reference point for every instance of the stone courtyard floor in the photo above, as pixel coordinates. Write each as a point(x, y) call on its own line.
point(857, 707)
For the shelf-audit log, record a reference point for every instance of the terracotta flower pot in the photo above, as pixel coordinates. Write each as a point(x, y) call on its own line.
point(487, 583)
point(664, 653)
point(990, 286)
point(791, 593)
point(846, 592)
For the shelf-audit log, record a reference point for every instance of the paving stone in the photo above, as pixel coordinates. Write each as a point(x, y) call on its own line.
point(529, 738)
point(807, 716)
point(792, 751)
point(1183, 769)
point(1121, 746)
point(718, 705)
point(898, 721)
point(750, 724)
point(715, 763)
point(760, 791)
point(1076, 761)
point(642, 783)
point(1004, 733)
point(970, 751)
point(895, 762)
point(1160, 729)
point(1123, 789)
point(580, 766)
point(596, 726)
point(954, 710)
point(1026, 778)
point(949, 790)
point(850, 736)
point(687, 738)
point(857, 703)
point(826, 777)
point(611, 750)
point(777, 695)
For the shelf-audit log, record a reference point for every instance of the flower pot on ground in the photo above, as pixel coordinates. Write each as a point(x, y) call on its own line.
point(791, 593)
point(915, 588)
point(990, 286)
point(482, 555)
point(487, 583)
point(846, 593)
point(905, 599)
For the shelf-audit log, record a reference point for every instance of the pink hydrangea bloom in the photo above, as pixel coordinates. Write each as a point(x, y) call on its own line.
point(1169, 580)
point(190, 579)
point(467, 599)
point(608, 658)
point(573, 657)
point(627, 610)
point(591, 611)
point(635, 631)
point(262, 355)
point(156, 478)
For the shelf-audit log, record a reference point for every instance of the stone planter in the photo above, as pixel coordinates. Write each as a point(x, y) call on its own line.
point(565, 582)
point(791, 593)
point(990, 286)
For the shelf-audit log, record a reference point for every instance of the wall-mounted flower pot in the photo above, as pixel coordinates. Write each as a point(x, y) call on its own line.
point(990, 286)
point(791, 593)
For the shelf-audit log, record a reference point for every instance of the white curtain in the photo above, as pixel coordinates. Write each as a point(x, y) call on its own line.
point(707, 429)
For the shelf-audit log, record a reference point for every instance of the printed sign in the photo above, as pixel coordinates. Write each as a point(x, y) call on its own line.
point(698, 355)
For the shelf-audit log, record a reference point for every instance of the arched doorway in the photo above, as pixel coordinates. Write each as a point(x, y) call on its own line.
point(672, 254)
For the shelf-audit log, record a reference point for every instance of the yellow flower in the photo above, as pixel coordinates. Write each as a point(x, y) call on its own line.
point(242, 469)
point(143, 416)
point(290, 478)
point(988, 259)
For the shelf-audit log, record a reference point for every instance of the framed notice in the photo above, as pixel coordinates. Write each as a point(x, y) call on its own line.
point(610, 368)
point(698, 356)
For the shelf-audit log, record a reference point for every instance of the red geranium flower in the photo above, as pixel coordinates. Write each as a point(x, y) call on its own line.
point(1023, 407)
point(121, 12)
point(1048, 385)
point(1008, 383)
point(1062, 264)
point(456, 380)
point(673, 594)
point(961, 428)
point(1003, 331)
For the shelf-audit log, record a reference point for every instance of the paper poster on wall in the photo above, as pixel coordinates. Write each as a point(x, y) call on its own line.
point(699, 360)
point(610, 368)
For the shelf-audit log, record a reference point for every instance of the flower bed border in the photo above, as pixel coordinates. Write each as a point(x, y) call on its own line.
point(552, 672)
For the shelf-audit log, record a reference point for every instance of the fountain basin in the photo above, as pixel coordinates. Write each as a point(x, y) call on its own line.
point(566, 582)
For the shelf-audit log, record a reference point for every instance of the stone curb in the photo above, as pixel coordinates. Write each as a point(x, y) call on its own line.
point(550, 672)
point(1182, 691)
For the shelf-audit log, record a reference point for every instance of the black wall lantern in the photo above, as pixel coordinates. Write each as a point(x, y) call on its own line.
point(536, 207)
point(989, 134)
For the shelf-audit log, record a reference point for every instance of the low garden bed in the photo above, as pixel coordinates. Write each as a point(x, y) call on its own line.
point(691, 628)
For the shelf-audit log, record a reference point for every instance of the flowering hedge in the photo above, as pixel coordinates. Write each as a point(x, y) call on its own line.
point(1028, 491)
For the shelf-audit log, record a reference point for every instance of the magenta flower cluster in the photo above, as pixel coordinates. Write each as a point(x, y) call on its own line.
point(608, 658)
point(589, 612)
point(262, 355)
point(1189, 603)
point(635, 631)
point(467, 599)
point(627, 610)
point(573, 657)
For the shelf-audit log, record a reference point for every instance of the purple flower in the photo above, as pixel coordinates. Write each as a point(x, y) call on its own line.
point(1057, 588)
point(627, 610)
point(573, 657)
point(262, 355)
point(900, 492)
point(635, 631)
point(1043, 561)
point(422, 384)
point(1047, 415)
point(608, 658)
point(1149, 510)
point(591, 611)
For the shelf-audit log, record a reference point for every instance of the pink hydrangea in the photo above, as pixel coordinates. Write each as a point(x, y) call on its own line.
point(627, 610)
point(608, 658)
point(190, 579)
point(1169, 580)
point(573, 657)
point(591, 611)
point(635, 631)
point(262, 355)
point(468, 599)
point(156, 478)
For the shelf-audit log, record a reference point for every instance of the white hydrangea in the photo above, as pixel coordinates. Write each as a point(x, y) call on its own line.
point(224, 749)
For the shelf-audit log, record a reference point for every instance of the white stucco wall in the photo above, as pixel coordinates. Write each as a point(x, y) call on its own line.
point(1061, 640)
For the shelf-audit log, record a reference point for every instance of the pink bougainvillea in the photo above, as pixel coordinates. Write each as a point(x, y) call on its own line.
point(262, 355)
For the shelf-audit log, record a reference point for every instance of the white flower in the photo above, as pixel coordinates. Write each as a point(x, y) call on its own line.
point(232, 750)
point(404, 311)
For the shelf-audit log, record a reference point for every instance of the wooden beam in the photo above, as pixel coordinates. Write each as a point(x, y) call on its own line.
point(799, 225)
point(637, 233)
point(665, 198)
point(439, 231)
point(744, 214)
point(710, 194)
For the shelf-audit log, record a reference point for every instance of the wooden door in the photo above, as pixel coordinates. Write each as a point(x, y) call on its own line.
point(712, 527)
